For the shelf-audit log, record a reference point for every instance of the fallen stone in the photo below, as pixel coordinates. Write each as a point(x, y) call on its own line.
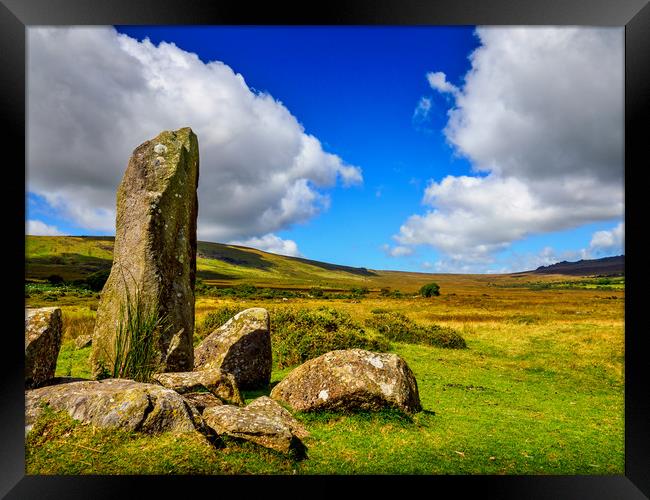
point(262, 422)
point(349, 380)
point(267, 406)
point(242, 346)
point(154, 256)
point(83, 341)
point(202, 400)
point(115, 403)
point(215, 381)
point(43, 331)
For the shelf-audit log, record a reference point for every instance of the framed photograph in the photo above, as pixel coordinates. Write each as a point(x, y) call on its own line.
point(375, 243)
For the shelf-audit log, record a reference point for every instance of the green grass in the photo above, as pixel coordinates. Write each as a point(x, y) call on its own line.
point(73, 362)
point(524, 398)
point(475, 421)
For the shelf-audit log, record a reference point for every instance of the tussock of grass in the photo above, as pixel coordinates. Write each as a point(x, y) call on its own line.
point(398, 327)
point(301, 334)
point(135, 352)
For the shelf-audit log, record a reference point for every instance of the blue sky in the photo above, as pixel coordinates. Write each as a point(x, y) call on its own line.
point(425, 159)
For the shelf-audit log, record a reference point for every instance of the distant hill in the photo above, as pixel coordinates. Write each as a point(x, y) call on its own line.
point(607, 266)
point(75, 257)
point(218, 264)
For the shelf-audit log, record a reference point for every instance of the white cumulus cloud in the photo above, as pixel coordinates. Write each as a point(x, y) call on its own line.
point(397, 251)
point(271, 243)
point(94, 95)
point(438, 81)
point(39, 228)
point(608, 242)
point(540, 118)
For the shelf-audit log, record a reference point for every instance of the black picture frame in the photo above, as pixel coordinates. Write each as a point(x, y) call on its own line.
point(634, 15)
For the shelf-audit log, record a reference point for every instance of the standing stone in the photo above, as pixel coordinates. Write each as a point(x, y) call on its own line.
point(242, 347)
point(155, 248)
point(43, 329)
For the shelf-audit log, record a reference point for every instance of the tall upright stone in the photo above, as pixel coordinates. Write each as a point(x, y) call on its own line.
point(43, 332)
point(155, 249)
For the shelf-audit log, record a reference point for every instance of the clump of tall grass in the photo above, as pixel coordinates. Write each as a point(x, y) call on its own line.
point(135, 348)
point(398, 327)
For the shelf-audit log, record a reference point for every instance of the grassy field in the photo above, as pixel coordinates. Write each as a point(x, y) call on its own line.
point(539, 390)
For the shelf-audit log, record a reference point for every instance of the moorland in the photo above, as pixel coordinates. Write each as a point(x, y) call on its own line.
point(536, 386)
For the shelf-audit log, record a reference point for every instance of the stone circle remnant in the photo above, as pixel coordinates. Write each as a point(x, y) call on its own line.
point(154, 257)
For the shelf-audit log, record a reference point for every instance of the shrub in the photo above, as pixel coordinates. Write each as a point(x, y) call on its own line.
point(358, 292)
point(246, 291)
point(54, 279)
point(301, 334)
point(398, 327)
point(430, 290)
point(387, 292)
point(95, 281)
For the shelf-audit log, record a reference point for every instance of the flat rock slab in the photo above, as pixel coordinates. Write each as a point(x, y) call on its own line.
point(219, 383)
point(242, 346)
point(43, 331)
point(352, 379)
point(263, 422)
point(115, 403)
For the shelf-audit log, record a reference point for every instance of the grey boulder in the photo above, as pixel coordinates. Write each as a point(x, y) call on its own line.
point(263, 422)
point(242, 346)
point(352, 379)
point(115, 403)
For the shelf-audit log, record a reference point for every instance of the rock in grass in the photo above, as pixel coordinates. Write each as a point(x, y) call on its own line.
point(202, 400)
point(83, 341)
point(154, 256)
point(116, 403)
point(242, 346)
point(263, 422)
point(352, 379)
point(219, 383)
point(265, 405)
point(43, 330)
